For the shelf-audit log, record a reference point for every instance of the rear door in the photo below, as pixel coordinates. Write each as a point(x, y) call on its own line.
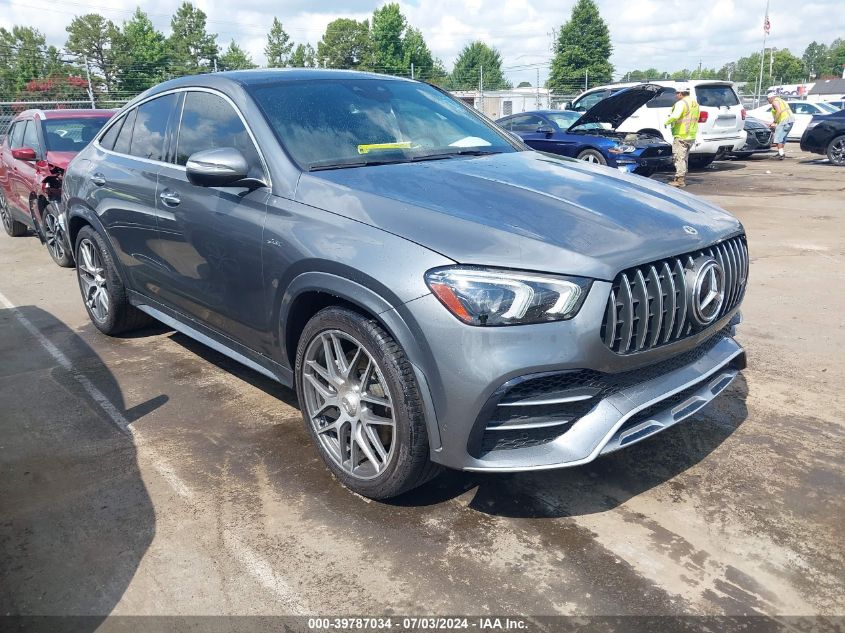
point(7, 163)
point(123, 179)
point(720, 106)
point(211, 237)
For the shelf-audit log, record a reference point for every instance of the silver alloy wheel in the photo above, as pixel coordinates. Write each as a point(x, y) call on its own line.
point(4, 213)
point(837, 151)
point(53, 236)
point(348, 404)
point(590, 158)
point(93, 280)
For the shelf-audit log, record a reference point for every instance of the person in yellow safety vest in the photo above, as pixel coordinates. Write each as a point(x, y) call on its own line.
point(782, 122)
point(684, 122)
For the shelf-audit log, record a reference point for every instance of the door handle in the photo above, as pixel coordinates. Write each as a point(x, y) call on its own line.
point(98, 179)
point(170, 198)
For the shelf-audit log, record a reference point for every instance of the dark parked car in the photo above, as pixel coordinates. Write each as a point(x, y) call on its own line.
point(33, 157)
point(437, 293)
point(759, 138)
point(591, 136)
point(825, 134)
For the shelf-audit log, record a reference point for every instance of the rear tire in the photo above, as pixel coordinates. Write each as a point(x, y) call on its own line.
point(361, 404)
point(54, 236)
point(103, 293)
point(700, 162)
point(12, 226)
point(592, 156)
point(836, 151)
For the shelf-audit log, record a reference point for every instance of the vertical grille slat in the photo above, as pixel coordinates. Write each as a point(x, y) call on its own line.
point(656, 292)
point(641, 298)
point(610, 321)
point(647, 306)
point(627, 315)
point(670, 296)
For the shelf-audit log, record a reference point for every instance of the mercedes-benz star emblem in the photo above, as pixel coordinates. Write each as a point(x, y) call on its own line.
point(705, 290)
point(691, 230)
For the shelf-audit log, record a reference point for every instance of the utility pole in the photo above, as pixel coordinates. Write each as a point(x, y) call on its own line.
point(771, 60)
point(699, 69)
point(481, 87)
point(539, 105)
point(586, 78)
point(90, 89)
point(762, 55)
point(412, 70)
point(215, 65)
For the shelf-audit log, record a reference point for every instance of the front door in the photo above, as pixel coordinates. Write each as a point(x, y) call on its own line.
point(211, 237)
point(25, 172)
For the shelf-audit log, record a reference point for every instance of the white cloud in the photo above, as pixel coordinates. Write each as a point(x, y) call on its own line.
point(666, 34)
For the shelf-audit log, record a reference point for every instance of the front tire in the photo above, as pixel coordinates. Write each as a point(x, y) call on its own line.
point(592, 156)
point(836, 151)
point(103, 293)
point(54, 236)
point(12, 226)
point(361, 404)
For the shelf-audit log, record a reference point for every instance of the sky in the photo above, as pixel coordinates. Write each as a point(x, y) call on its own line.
point(664, 34)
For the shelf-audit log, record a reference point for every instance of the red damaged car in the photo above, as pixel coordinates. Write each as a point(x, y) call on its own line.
point(35, 152)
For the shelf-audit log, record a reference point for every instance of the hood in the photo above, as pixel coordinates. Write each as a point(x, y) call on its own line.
point(619, 106)
point(522, 210)
point(59, 159)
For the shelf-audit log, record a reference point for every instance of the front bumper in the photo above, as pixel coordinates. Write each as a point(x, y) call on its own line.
point(470, 375)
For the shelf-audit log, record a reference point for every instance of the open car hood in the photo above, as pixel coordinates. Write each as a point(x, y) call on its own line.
point(618, 107)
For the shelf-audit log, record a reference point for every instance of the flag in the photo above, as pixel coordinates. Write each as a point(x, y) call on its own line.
point(767, 26)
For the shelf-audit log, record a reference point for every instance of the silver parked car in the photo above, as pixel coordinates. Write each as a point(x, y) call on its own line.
point(438, 293)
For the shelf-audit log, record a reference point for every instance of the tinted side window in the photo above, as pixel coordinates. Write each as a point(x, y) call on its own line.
point(585, 103)
point(666, 99)
point(30, 136)
point(16, 135)
point(209, 122)
point(110, 136)
point(526, 123)
point(124, 137)
point(150, 128)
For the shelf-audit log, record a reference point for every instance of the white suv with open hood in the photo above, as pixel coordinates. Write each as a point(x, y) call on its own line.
point(720, 126)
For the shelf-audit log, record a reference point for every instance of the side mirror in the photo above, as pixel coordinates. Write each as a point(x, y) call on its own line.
point(24, 153)
point(545, 129)
point(219, 167)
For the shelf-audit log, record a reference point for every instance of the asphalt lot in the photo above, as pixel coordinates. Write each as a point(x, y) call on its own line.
point(150, 475)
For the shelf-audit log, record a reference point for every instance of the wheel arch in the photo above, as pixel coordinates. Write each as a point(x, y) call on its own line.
point(79, 216)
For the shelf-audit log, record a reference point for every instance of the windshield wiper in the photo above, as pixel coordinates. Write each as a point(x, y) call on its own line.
point(355, 163)
point(461, 152)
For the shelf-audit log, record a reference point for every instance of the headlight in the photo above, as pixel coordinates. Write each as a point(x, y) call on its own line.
point(622, 149)
point(483, 296)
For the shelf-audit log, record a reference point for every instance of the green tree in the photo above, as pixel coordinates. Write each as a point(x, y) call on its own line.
point(191, 49)
point(303, 56)
point(387, 39)
point(416, 52)
point(22, 58)
point(345, 44)
point(466, 75)
point(279, 46)
point(96, 38)
point(786, 67)
point(836, 58)
point(235, 58)
point(815, 58)
point(582, 49)
point(524, 84)
point(142, 59)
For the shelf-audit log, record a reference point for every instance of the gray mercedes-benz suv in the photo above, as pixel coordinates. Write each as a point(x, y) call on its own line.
point(437, 293)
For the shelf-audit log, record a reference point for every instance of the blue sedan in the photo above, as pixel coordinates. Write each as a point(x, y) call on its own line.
point(592, 137)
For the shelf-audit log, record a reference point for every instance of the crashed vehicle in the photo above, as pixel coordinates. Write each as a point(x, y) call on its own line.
point(592, 136)
point(34, 155)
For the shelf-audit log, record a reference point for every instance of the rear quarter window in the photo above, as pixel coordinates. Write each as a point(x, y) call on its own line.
point(716, 96)
point(666, 99)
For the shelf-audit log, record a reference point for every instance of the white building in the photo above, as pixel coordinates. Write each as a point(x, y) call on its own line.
point(499, 103)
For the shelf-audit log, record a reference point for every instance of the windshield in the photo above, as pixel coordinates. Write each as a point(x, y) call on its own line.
point(71, 135)
point(564, 119)
point(826, 106)
point(352, 122)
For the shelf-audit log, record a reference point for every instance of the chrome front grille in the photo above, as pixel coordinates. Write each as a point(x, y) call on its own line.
point(648, 304)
